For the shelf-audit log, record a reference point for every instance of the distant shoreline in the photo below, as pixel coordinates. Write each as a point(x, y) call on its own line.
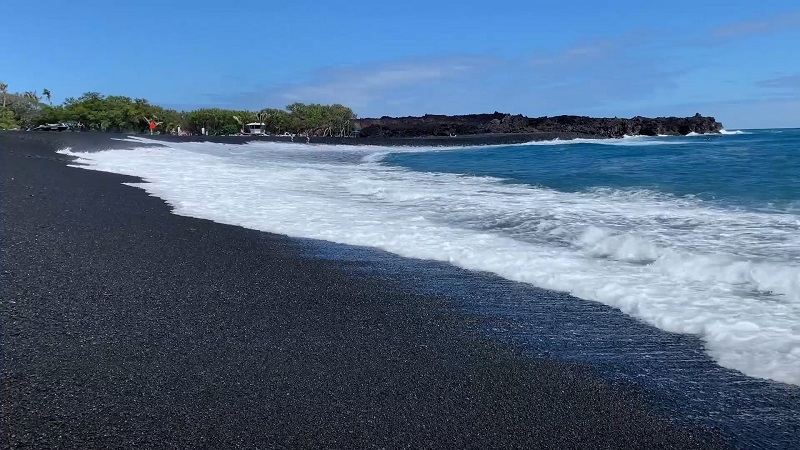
point(91, 139)
point(434, 141)
point(500, 123)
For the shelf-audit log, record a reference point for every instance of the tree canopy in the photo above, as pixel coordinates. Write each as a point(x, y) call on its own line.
point(114, 113)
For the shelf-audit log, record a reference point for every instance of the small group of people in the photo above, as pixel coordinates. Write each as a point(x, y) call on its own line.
point(307, 135)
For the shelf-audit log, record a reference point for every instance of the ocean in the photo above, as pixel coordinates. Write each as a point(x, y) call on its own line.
point(671, 262)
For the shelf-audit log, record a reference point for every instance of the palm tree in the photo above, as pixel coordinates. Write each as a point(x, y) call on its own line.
point(4, 91)
point(32, 96)
point(240, 122)
point(46, 93)
point(262, 118)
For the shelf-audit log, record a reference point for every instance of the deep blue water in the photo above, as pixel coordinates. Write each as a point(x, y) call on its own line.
point(759, 169)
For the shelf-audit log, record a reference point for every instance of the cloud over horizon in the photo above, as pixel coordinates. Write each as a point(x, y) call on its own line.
point(581, 76)
point(601, 76)
point(762, 26)
point(790, 83)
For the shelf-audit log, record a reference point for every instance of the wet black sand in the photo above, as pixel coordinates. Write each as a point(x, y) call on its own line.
point(125, 326)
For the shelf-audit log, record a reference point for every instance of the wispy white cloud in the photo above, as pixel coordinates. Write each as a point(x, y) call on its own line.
point(577, 78)
point(362, 86)
point(579, 53)
point(789, 82)
point(598, 77)
point(753, 27)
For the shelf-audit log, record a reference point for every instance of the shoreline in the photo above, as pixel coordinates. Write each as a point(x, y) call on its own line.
point(468, 140)
point(127, 325)
point(433, 141)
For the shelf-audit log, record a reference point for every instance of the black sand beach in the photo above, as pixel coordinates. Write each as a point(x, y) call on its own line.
point(125, 326)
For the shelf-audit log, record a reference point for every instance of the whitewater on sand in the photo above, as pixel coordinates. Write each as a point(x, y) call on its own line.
point(697, 235)
point(124, 325)
point(423, 203)
point(676, 262)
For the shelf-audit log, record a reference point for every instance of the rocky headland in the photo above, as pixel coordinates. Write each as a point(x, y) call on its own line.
point(431, 125)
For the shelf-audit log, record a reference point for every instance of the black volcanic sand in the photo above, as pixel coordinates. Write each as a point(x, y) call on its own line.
point(125, 326)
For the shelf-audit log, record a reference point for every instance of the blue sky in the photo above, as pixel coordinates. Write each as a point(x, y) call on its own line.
point(619, 58)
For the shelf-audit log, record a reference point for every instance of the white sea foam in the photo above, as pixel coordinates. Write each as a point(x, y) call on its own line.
point(379, 154)
point(623, 141)
point(723, 131)
point(732, 277)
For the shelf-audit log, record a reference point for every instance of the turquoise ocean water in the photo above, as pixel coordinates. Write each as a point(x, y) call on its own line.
point(753, 169)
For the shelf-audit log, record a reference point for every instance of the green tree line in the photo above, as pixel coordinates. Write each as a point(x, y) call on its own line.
point(114, 113)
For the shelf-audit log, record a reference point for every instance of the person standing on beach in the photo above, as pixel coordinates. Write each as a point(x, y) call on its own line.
point(151, 123)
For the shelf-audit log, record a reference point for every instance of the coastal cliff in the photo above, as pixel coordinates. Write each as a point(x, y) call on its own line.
point(499, 123)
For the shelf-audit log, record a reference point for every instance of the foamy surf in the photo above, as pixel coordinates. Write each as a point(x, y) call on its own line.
point(623, 141)
point(723, 132)
point(655, 257)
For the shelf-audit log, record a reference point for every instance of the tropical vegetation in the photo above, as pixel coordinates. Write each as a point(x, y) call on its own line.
point(115, 113)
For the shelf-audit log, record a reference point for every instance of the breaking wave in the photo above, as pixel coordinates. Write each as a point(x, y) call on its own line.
point(731, 277)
